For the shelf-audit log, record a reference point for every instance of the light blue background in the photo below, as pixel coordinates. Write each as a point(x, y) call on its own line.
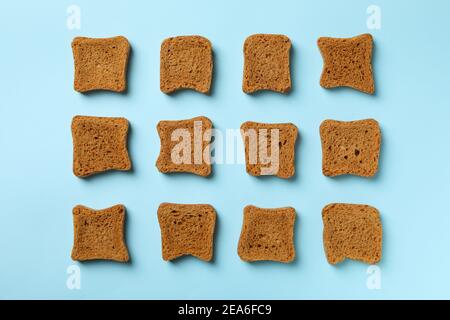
point(38, 189)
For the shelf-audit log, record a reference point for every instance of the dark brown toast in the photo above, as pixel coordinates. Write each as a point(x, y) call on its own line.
point(99, 234)
point(197, 160)
point(267, 234)
point(100, 63)
point(351, 147)
point(266, 63)
point(186, 63)
point(347, 62)
point(99, 144)
point(284, 164)
point(352, 231)
point(187, 229)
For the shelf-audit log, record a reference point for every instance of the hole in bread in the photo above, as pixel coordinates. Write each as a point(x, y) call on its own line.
point(356, 152)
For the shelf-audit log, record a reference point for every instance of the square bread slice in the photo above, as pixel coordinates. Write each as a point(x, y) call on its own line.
point(186, 63)
point(347, 62)
point(185, 146)
point(352, 231)
point(99, 234)
point(267, 234)
point(262, 155)
point(266, 63)
point(351, 147)
point(100, 63)
point(99, 144)
point(187, 229)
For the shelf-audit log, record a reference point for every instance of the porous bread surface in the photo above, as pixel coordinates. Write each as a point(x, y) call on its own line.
point(164, 162)
point(266, 63)
point(267, 234)
point(186, 62)
point(100, 63)
point(187, 229)
point(347, 62)
point(352, 231)
point(99, 144)
point(287, 136)
point(350, 147)
point(99, 234)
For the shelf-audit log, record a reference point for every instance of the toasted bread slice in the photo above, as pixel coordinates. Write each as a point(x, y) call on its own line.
point(187, 229)
point(99, 234)
point(99, 144)
point(267, 234)
point(269, 148)
point(186, 63)
point(266, 63)
point(100, 63)
point(185, 146)
point(351, 147)
point(352, 231)
point(347, 62)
